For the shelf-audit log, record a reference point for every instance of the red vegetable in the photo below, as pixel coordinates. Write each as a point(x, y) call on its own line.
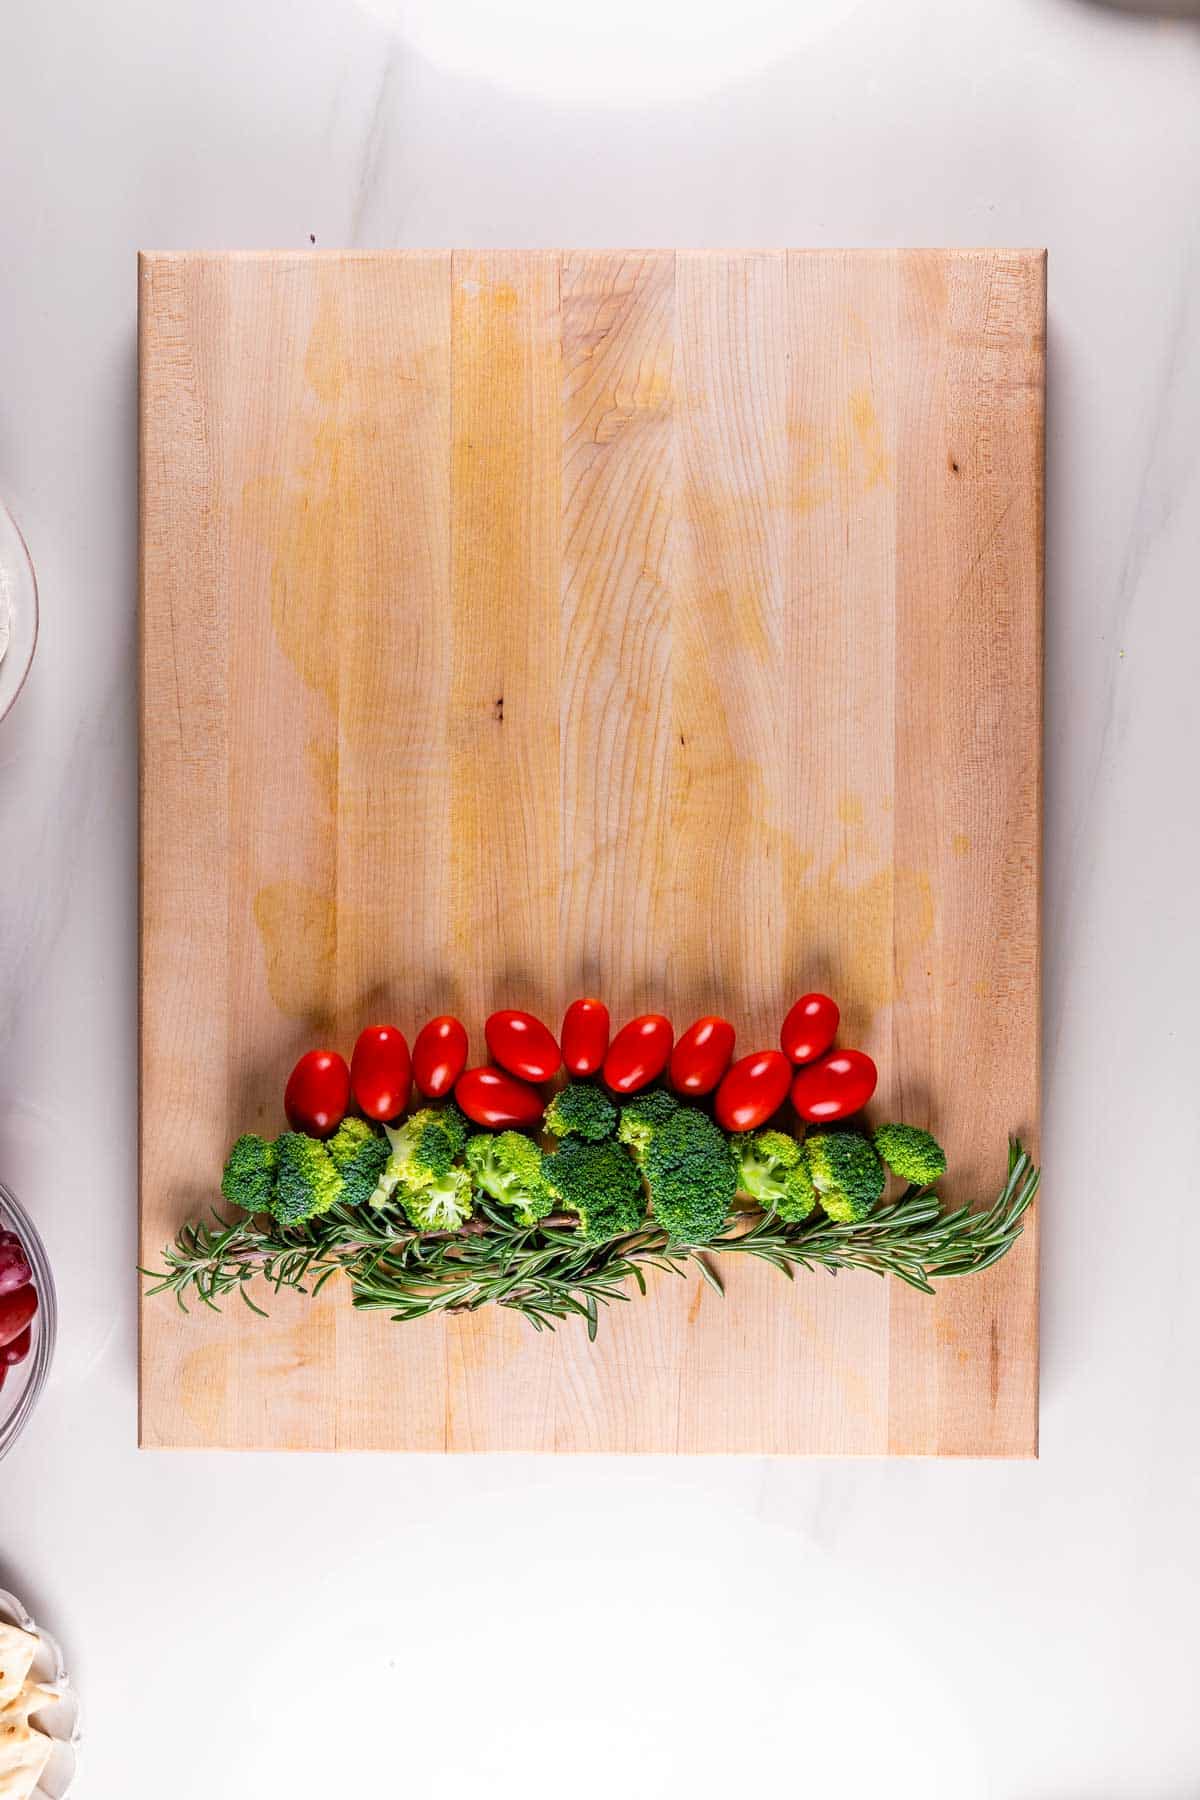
point(381, 1072)
point(439, 1056)
point(701, 1056)
point(16, 1310)
point(15, 1269)
point(494, 1098)
point(639, 1053)
point(318, 1093)
point(522, 1045)
point(810, 1028)
point(17, 1350)
point(755, 1087)
point(585, 1030)
point(835, 1087)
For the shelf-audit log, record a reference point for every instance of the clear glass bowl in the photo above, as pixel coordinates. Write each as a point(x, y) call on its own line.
point(18, 606)
point(25, 1380)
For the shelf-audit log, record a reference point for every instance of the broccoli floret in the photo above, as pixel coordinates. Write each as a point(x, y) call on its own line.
point(348, 1140)
point(642, 1117)
point(508, 1166)
point(846, 1172)
point(600, 1183)
point(691, 1174)
point(360, 1155)
point(581, 1109)
point(421, 1171)
point(441, 1204)
point(454, 1123)
point(307, 1181)
point(911, 1153)
point(249, 1178)
point(422, 1151)
point(772, 1169)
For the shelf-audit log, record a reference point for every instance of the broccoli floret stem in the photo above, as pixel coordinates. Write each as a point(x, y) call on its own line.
point(508, 1167)
point(440, 1205)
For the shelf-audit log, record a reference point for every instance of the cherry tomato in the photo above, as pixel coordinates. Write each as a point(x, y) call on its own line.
point(701, 1056)
point(639, 1053)
point(17, 1349)
point(381, 1072)
point(439, 1056)
point(755, 1087)
point(585, 1030)
point(15, 1269)
point(16, 1310)
point(522, 1045)
point(317, 1093)
point(809, 1028)
point(493, 1097)
point(835, 1087)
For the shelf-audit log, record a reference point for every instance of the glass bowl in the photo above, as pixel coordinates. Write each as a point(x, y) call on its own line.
point(18, 610)
point(25, 1380)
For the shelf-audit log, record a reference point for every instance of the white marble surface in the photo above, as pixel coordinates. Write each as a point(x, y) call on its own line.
point(253, 1627)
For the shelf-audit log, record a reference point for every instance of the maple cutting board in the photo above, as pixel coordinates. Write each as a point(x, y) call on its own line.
point(664, 626)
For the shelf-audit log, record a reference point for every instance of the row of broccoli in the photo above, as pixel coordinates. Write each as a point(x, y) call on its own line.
point(608, 1163)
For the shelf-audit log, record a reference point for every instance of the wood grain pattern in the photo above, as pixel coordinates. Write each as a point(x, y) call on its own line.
point(664, 624)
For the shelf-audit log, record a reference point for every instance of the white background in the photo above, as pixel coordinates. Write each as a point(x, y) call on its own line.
point(262, 1626)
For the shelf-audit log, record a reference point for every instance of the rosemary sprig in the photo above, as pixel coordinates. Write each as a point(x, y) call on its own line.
point(548, 1273)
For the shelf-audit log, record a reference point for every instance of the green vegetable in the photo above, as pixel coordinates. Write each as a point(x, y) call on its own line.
point(691, 1173)
point(581, 1109)
point(422, 1151)
point(307, 1182)
point(846, 1172)
point(249, 1178)
point(643, 1116)
point(911, 1153)
point(773, 1171)
point(421, 1171)
point(456, 1126)
point(914, 1239)
point(360, 1154)
point(508, 1166)
point(600, 1183)
point(439, 1205)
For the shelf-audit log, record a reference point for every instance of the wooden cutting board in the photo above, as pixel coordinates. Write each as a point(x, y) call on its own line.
point(661, 625)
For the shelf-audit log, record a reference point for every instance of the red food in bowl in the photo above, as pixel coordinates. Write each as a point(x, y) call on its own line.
point(15, 1269)
point(16, 1310)
point(28, 1319)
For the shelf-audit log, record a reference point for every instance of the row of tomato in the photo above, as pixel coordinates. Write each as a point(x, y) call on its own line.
point(825, 1084)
